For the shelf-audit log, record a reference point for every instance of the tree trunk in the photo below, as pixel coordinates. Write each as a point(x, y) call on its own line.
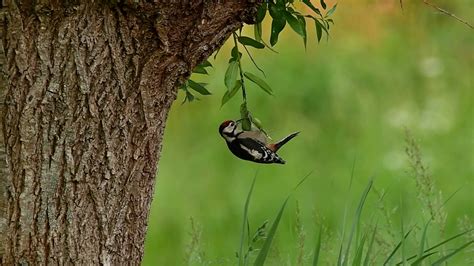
point(88, 88)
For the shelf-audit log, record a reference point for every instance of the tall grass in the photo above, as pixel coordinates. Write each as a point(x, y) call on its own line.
point(363, 251)
point(367, 242)
point(429, 196)
point(194, 253)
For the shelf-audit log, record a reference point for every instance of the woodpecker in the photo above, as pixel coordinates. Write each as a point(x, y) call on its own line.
point(252, 145)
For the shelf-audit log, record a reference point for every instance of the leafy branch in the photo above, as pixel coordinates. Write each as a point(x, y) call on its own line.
point(196, 86)
point(282, 13)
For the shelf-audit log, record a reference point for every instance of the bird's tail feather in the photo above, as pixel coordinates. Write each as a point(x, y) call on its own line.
point(282, 142)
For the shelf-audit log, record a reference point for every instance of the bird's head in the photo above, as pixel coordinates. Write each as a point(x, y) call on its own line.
point(227, 129)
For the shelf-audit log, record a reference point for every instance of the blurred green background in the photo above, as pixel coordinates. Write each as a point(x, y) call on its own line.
point(383, 69)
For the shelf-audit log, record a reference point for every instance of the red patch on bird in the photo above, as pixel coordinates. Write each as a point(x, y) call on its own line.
point(224, 124)
point(272, 147)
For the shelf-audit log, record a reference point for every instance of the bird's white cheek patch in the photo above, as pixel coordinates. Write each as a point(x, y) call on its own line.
point(255, 154)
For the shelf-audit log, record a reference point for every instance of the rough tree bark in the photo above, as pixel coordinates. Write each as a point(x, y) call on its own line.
point(88, 86)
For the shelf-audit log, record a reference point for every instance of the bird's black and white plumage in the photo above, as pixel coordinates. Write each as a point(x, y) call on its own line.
point(252, 145)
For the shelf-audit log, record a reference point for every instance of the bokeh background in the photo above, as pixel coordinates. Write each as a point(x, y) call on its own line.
point(382, 71)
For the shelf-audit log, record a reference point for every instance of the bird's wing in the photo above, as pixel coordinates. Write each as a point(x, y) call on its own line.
point(257, 135)
point(258, 151)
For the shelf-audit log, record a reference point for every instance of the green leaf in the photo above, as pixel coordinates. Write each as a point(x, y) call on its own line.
point(251, 42)
point(205, 63)
point(278, 22)
point(229, 94)
point(310, 5)
point(198, 87)
point(274, 10)
point(200, 70)
point(319, 31)
point(317, 247)
point(445, 258)
point(327, 24)
point(302, 22)
point(260, 82)
point(330, 11)
point(262, 255)
point(257, 32)
point(323, 4)
point(294, 23)
point(235, 54)
point(231, 75)
point(242, 236)
point(261, 12)
point(245, 116)
point(189, 97)
point(277, 26)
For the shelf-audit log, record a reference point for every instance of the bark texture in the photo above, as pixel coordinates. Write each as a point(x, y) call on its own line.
point(87, 92)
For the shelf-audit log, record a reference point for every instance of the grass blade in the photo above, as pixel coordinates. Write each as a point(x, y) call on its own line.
point(397, 247)
point(423, 240)
point(437, 245)
point(421, 258)
point(339, 257)
point(445, 258)
point(360, 249)
point(448, 240)
point(262, 255)
point(242, 236)
point(317, 247)
point(403, 246)
point(369, 249)
point(302, 181)
point(357, 220)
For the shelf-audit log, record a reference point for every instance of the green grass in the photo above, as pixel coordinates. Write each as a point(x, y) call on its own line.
point(382, 71)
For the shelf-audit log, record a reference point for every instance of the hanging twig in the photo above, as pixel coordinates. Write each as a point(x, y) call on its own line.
point(244, 95)
point(448, 13)
point(253, 61)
